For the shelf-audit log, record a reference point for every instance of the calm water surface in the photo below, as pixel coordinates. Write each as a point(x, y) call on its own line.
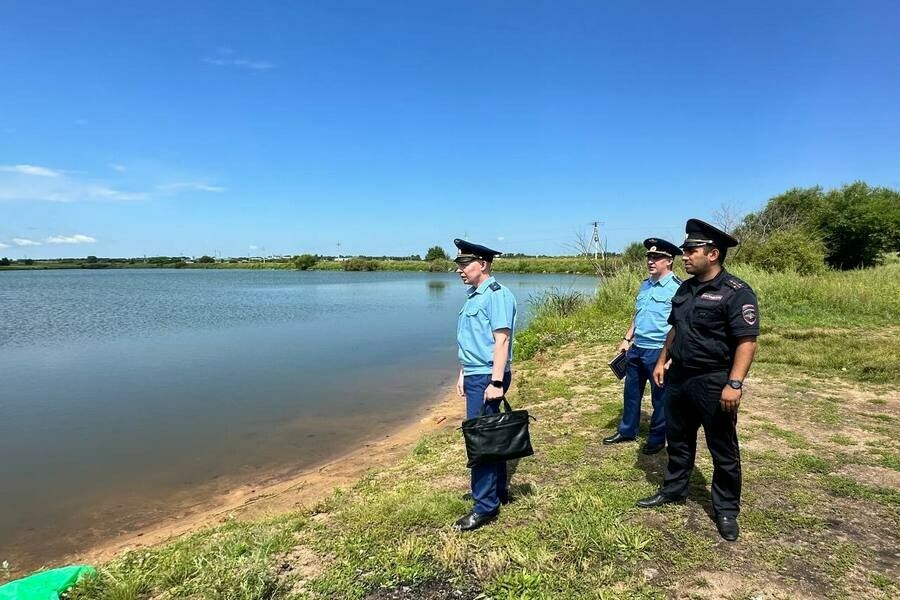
point(126, 394)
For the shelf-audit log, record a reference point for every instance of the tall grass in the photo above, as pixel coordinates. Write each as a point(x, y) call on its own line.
point(826, 323)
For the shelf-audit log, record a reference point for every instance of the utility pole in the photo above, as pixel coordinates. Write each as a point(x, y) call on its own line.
point(339, 249)
point(595, 240)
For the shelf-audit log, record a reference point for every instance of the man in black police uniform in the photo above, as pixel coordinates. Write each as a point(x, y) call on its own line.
point(715, 323)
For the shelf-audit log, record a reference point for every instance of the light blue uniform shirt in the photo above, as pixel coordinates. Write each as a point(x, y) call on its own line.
point(652, 308)
point(488, 308)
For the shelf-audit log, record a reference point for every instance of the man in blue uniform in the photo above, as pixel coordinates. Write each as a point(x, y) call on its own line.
point(484, 334)
point(644, 341)
point(715, 323)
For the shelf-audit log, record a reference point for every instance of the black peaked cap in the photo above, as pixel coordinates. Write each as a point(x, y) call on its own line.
point(469, 251)
point(661, 246)
point(701, 233)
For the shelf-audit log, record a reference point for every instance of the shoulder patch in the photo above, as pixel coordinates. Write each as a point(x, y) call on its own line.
point(494, 286)
point(735, 283)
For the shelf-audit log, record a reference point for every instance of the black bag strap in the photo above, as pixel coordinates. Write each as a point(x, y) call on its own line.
point(505, 405)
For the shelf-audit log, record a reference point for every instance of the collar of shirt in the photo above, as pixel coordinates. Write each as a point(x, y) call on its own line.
point(664, 280)
point(480, 289)
point(714, 282)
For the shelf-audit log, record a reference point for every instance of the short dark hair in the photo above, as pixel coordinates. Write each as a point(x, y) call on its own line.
point(722, 252)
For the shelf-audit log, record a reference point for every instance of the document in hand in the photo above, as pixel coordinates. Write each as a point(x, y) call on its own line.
point(617, 364)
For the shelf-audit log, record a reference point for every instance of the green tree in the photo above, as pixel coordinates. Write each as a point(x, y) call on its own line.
point(4, 262)
point(91, 259)
point(304, 261)
point(436, 253)
point(858, 224)
point(206, 259)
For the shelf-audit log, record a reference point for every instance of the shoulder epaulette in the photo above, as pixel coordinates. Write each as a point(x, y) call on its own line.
point(494, 286)
point(677, 279)
point(735, 283)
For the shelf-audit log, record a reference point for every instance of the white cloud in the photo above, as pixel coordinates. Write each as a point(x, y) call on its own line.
point(500, 238)
point(21, 242)
point(2, 245)
point(241, 63)
point(70, 239)
point(252, 247)
point(33, 183)
point(189, 185)
point(32, 170)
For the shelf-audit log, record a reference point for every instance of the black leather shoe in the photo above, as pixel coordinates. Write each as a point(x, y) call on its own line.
point(617, 438)
point(657, 499)
point(473, 520)
point(728, 528)
point(648, 449)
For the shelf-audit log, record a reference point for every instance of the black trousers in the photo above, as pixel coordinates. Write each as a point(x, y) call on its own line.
point(693, 400)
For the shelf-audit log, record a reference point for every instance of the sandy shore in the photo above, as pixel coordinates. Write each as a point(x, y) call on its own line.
point(280, 495)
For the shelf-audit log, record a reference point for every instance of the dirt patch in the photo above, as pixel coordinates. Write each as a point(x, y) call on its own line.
point(875, 476)
point(298, 566)
point(715, 585)
point(430, 590)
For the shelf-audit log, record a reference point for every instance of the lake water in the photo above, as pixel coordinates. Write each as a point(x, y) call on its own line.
point(122, 392)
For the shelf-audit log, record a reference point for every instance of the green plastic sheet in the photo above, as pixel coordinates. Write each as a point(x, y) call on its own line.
point(46, 585)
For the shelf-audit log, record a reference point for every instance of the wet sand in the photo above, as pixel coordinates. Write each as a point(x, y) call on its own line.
point(278, 493)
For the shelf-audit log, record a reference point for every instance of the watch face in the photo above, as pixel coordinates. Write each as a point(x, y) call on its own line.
point(735, 384)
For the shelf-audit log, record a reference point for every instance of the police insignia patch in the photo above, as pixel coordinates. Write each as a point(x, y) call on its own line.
point(748, 311)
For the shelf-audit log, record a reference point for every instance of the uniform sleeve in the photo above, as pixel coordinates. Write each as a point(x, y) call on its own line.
point(743, 313)
point(501, 310)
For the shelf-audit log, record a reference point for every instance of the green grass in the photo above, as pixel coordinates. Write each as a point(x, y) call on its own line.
point(573, 530)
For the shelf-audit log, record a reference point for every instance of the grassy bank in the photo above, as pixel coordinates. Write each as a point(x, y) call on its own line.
point(819, 427)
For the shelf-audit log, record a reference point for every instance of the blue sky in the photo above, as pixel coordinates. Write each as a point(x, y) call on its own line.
point(387, 127)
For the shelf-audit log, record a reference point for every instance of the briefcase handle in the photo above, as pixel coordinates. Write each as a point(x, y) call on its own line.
point(505, 405)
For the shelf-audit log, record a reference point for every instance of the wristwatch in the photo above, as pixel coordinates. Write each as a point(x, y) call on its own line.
point(497, 383)
point(735, 384)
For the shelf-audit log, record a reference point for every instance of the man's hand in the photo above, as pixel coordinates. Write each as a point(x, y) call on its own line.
point(659, 374)
point(459, 385)
point(731, 399)
point(624, 346)
point(492, 393)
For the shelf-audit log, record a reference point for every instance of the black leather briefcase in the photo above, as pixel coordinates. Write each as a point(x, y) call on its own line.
point(497, 438)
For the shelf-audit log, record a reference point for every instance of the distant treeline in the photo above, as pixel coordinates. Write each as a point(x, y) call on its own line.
point(805, 230)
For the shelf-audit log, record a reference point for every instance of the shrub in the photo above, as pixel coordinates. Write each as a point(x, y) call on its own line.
point(441, 266)
point(206, 259)
point(436, 253)
point(634, 253)
point(304, 261)
point(789, 250)
point(4, 262)
point(858, 224)
point(360, 264)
